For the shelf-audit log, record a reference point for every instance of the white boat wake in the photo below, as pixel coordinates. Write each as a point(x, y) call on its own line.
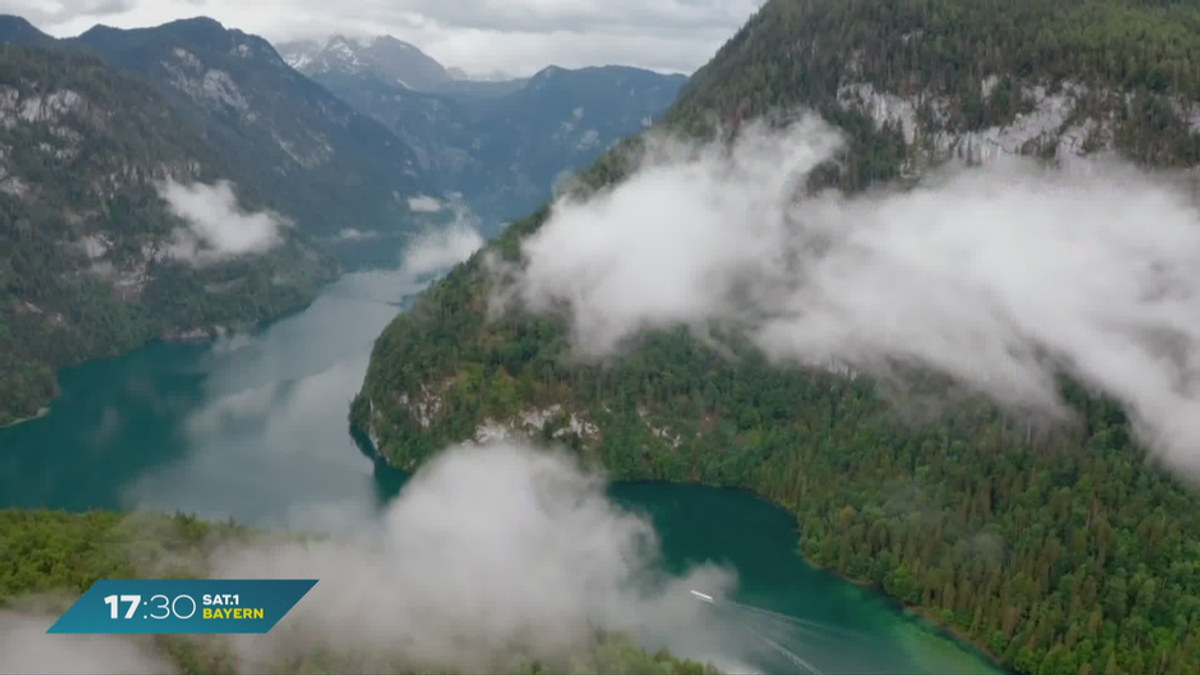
point(791, 623)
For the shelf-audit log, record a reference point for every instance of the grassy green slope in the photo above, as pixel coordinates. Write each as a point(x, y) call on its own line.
point(48, 555)
point(1062, 552)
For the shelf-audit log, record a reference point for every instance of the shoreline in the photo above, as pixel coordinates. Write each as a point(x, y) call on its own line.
point(950, 632)
point(42, 412)
point(954, 632)
point(203, 335)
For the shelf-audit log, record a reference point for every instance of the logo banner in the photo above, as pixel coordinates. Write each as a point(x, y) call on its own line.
point(183, 606)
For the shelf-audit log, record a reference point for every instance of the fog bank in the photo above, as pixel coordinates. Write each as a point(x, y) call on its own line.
point(486, 548)
point(26, 648)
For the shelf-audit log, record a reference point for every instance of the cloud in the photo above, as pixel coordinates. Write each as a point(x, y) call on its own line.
point(26, 648)
point(354, 235)
point(217, 227)
point(519, 37)
point(486, 548)
point(1000, 276)
point(443, 246)
point(424, 204)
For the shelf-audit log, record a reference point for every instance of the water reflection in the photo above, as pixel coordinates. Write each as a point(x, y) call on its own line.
point(251, 427)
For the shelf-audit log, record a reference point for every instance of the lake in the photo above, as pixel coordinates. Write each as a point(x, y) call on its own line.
point(254, 428)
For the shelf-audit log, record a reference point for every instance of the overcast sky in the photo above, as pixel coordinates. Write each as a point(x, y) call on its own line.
point(516, 36)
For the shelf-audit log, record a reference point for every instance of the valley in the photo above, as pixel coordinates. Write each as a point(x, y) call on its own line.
point(878, 331)
point(93, 264)
point(253, 428)
point(502, 145)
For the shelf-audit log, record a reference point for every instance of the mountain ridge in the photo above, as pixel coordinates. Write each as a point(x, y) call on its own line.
point(392, 60)
point(103, 247)
point(504, 145)
point(315, 157)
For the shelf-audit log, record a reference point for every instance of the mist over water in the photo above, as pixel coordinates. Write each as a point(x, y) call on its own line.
point(483, 549)
point(251, 427)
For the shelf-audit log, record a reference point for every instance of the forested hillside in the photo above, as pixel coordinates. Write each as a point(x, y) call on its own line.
point(1059, 552)
point(308, 153)
point(966, 66)
point(48, 555)
point(85, 268)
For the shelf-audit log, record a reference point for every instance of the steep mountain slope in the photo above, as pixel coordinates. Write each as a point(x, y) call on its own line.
point(94, 259)
point(954, 80)
point(384, 57)
point(561, 119)
point(17, 30)
point(503, 152)
point(311, 155)
point(1064, 552)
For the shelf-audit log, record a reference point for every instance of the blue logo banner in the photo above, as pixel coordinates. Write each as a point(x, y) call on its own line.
point(183, 606)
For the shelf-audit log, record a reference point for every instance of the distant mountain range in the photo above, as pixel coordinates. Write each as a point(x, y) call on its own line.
point(339, 134)
point(502, 144)
point(387, 60)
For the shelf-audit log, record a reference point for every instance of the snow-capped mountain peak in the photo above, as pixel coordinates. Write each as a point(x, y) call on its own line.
point(381, 56)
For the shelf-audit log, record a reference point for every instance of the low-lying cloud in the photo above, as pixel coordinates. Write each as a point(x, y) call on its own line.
point(424, 204)
point(25, 647)
point(1000, 276)
point(486, 548)
point(487, 552)
point(442, 247)
point(217, 227)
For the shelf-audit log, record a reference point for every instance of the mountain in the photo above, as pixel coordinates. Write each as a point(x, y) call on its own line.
point(522, 145)
point(503, 145)
point(1080, 92)
point(385, 61)
point(384, 57)
point(120, 225)
point(311, 155)
point(1058, 551)
point(17, 30)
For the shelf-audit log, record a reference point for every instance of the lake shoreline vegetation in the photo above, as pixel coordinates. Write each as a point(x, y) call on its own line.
point(41, 412)
point(1056, 549)
point(934, 622)
point(199, 335)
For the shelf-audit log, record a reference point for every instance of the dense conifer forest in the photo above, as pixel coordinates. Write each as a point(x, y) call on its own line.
point(1061, 550)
